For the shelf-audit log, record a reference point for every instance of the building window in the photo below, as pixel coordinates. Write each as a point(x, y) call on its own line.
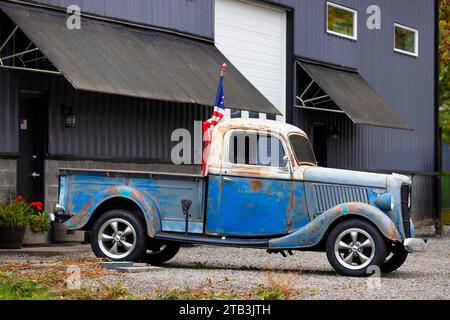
point(406, 40)
point(342, 21)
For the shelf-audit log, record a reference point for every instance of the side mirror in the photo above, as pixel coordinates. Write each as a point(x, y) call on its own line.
point(287, 163)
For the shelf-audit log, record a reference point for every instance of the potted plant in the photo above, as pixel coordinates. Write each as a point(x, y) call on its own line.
point(37, 231)
point(13, 222)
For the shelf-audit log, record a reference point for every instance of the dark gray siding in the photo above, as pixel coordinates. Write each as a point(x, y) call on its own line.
point(406, 83)
point(9, 135)
point(191, 16)
point(111, 127)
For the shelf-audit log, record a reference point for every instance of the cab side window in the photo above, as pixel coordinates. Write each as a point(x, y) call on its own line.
point(251, 148)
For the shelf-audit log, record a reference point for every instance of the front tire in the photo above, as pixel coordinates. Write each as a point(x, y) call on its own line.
point(119, 235)
point(354, 247)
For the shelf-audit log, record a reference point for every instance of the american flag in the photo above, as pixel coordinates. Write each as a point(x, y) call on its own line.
point(218, 113)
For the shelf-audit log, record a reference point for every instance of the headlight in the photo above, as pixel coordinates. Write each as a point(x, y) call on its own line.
point(385, 202)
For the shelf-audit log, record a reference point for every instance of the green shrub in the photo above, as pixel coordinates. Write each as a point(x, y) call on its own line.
point(14, 214)
point(19, 213)
point(39, 222)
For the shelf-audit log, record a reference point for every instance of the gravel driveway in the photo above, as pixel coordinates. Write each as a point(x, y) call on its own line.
point(307, 274)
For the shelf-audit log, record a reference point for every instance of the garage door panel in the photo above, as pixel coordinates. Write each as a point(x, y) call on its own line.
point(253, 38)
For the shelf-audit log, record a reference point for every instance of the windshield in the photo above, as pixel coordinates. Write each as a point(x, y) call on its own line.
point(302, 148)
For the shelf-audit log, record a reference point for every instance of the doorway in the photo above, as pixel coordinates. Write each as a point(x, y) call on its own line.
point(320, 137)
point(32, 138)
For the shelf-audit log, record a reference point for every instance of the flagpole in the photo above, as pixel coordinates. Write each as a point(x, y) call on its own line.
point(223, 70)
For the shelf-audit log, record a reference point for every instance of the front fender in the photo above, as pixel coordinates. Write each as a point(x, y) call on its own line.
point(312, 233)
point(145, 202)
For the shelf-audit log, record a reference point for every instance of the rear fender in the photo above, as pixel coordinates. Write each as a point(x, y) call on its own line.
point(312, 233)
point(145, 202)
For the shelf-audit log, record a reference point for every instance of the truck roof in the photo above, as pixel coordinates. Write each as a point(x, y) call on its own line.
point(258, 124)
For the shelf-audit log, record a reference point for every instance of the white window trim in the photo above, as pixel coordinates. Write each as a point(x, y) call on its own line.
point(416, 40)
point(355, 21)
point(227, 164)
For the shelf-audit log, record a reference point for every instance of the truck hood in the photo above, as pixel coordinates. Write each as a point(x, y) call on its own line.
point(346, 177)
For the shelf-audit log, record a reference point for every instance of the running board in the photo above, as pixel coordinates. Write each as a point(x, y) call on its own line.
point(214, 241)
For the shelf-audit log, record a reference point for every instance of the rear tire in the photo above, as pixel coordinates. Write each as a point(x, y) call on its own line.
point(354, 247)
point(398, 258)
point(119, 235)
point(158, 254)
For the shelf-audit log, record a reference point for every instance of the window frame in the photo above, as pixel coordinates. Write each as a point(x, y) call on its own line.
point(355, 21)
point(416, 40)
point(226, 155)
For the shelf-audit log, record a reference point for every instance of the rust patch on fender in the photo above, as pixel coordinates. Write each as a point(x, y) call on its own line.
point(256, 185)
point(83, 213)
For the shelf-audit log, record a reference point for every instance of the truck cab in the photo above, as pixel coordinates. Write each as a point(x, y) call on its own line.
point(263, 189)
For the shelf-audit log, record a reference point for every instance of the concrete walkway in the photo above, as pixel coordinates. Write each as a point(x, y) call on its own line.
point(49, 251)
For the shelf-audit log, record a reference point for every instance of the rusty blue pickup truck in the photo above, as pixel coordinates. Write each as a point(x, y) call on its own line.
point(263, 189)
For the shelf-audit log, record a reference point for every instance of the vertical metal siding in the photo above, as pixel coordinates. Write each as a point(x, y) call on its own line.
point(422, 201)
point(112, 127)
point(405, 83)
point(191, 16)
point(9, 134)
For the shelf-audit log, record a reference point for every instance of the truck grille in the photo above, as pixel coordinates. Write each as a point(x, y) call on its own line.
point(405, 192)
point(329, 196)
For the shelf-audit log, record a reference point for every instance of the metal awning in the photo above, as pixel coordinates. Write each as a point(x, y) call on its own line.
point(119, 59)
point(342, 90)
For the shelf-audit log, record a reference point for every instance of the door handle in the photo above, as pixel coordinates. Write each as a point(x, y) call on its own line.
point(227, 179)
point(35, 175)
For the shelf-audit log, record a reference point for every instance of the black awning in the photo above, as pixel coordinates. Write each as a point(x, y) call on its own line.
point(351, 93)
point(120, 59)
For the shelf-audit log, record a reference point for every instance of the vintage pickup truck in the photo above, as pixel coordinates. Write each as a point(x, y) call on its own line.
point(361, 220)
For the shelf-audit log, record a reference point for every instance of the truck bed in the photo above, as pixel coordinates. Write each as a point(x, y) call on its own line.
point(79, 187)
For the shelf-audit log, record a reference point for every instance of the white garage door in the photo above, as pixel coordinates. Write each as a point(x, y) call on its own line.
point(253, 37)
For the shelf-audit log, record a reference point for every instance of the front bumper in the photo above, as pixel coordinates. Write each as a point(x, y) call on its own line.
point(415, 245)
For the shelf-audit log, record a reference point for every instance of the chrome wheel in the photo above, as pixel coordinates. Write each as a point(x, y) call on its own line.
point(117, 238)
point(354, 249)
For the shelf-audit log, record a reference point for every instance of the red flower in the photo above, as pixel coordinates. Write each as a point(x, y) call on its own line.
point(38, 206)
point(19, 198)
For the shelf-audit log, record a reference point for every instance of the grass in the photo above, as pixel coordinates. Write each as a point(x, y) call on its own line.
point(18, 288)
point(23, 282)
point(26, 281)
point(104, 292)
point(278, 287)
point(195, 294)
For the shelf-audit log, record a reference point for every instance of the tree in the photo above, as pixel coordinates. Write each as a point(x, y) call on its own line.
point(444, 77)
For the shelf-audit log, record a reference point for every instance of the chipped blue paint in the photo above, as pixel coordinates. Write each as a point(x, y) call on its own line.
point(235, 206)
point(312, 233)
point(245, 206)
point(159, 198)
point(344, 209)
point(177, 226)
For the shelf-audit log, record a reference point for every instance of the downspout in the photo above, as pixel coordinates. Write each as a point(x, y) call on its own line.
point(437, 130)
point(290, 67)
